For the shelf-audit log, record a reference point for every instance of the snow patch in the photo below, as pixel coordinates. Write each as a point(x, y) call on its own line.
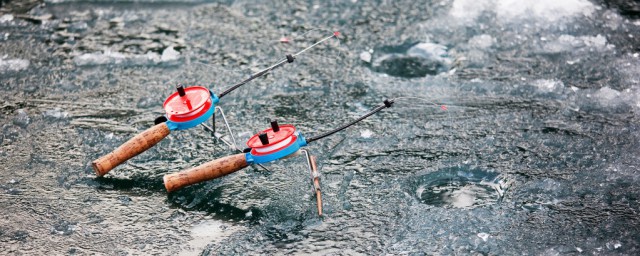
point(6, 18)
point(542, 10)
point(508, 11)
point(366, 134)
point(13, 65)
point(116, 58)
point(568, 43)
point(169, 54)
point(548, 85)
point(606, 94)
point(482, 41)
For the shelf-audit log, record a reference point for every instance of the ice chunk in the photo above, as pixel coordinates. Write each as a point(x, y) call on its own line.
point(94, 59)
point(365, 56)
point(55, 113)
point(606, 94)
point(484, 236)
point(22, 119)
point(117, 58)
point(430, 51)
point(6, 18)
point(481, 41)
point(7, 65)
point(548, 85)
point(366, 134)
point(170, 54)
point(569, 43)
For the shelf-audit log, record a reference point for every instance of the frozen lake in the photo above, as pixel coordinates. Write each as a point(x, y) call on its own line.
point(515, 128)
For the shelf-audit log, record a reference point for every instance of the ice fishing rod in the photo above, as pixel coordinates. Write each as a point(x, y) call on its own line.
point(185, 108)
point(269, 145)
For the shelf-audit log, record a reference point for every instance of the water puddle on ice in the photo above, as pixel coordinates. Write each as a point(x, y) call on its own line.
point(461, 188)
point(208, 232)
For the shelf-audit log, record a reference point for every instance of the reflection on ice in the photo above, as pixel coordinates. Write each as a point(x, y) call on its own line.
point(208, 232)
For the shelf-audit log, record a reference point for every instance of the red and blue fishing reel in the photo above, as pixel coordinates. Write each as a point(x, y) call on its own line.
point(189, 107)
point(271, 144)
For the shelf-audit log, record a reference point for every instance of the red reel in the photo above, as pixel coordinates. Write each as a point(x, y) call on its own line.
point(188, 104)
point(284, 137)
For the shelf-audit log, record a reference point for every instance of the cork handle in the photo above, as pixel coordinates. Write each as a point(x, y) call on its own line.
point(316, 183)
point(207, 171)
point(131, 148)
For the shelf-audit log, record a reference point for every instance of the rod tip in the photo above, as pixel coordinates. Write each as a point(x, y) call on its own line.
point(336, 34)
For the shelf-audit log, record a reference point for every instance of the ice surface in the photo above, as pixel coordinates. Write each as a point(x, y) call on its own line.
point(569, 43)
point(7, 65)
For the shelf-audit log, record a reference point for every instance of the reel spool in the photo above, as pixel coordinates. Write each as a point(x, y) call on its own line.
point(189, 107)
point(271, 144)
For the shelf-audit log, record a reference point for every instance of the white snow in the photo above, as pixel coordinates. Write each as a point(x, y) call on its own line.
point(430, 51)
point(569, 43)
point(365, 56)
point(606, 95)
point(366, 134)
point(6, 18)
point(117, 58)
point(484, 236)
point(56, 113)
point(13, 65)
point(544, 85)
point(509, 11)
point(170, 54)
point(542, 10)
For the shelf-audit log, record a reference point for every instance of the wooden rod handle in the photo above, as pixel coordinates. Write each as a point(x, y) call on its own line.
point(131, 148)
point(207, 171)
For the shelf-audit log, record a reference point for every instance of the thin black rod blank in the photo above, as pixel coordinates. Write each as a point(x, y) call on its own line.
point(254, 76)
point(289, 58)
point(387, 104)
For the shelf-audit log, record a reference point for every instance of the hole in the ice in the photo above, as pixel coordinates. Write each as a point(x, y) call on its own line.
point(417, 60)
point(461, 187)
